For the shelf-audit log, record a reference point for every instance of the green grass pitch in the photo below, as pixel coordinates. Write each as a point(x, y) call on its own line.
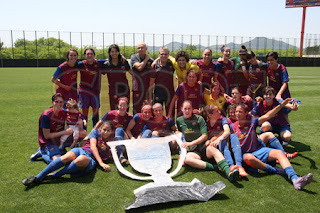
point(25, 93)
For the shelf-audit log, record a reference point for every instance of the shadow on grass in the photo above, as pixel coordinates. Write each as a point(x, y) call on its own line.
point(88, 178)
point(295, 146)
point(176, 204)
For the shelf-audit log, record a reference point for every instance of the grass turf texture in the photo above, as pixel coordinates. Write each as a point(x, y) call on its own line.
point(25, 94)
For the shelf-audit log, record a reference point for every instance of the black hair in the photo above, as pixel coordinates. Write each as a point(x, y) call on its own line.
point(115, 47)
point(94, 53)
point(273, 55)
point(182, 54)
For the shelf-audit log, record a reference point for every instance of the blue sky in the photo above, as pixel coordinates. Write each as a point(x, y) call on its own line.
point(209, 17)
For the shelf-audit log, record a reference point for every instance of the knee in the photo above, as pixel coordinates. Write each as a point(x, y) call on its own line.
point(156, 133)
point(286, 136)
point(119, 132)
point(266, 126)
point(249, 159)
point(82, 161)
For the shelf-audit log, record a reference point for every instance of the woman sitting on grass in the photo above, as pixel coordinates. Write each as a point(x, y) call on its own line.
point(80, 161)
point(201, 156)
point(256, 154)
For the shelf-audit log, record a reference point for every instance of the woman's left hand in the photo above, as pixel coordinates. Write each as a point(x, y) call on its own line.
point(105, 167)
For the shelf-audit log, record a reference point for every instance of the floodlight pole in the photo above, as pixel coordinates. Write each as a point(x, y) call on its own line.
point(302, 31)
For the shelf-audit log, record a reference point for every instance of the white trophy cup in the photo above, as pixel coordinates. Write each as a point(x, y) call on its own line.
point(150, 156)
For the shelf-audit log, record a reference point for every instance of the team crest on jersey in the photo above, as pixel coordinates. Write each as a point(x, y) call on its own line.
point(103, 146)
point(277, 74)
point(123, 67)
point(258, 69)
point(220, 101)
point(74, 76)
point(242, 136)
point(194, 123)
point(272, 78)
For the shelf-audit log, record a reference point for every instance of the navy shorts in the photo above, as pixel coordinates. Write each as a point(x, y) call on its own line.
point(92, 164)
point(49, 151)
point(262, 154)
point(86, 100)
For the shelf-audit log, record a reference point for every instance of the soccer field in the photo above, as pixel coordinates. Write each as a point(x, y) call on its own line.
point(26, 92)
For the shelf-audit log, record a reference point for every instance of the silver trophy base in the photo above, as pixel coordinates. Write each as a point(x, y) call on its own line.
point(152, 193)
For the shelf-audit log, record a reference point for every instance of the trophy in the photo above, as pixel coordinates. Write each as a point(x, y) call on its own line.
point(152, 156)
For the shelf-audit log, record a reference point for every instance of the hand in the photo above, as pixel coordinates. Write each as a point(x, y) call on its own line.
point(105, 167)
point(200, 82)
point(295, 106)
point(226, 96)
point(220, 59)
point(84, 122)
point(285, 102)
point(259, 99)
point(242, 63)
point(196, 111)
point(248, 98)
point(193, 61)
point(67, 88)
point(123, 59)
point(186, 144)
point(216, 142)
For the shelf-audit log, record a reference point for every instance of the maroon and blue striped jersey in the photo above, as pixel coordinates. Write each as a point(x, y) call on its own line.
point(56, 123)
point(72, 117)
point(117, 120)
point(247, 135)
point(217, 128)
point(90, 81)
point(258, 74)
point(163, 127)
point(193, 94)
point(140, 79)
point(67, 76)
point(207, 72)
point(163, 76)
point(102, 146)
point(116, 74)
point(262, 108)
point(276, 79)
point(138, 127)
point(225, 74)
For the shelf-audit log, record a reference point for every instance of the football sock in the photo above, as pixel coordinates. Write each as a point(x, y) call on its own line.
point(68, 169)
point(95, 119)
point(226, 152)
point(211, 167)
point(54, 165)
point(270, 169)
point(291, 173)
point(236, 149)
point(224, 166)
point(275, 143)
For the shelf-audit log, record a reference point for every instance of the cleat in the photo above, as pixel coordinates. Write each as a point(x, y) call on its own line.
point(242, 171)
point(123, 161)
point(301, 182)
point(233, 167)
point(36, 155)
point(280, 171)
point(291, 155)
point(233, 176)
point(29, 181)
point(284, 143)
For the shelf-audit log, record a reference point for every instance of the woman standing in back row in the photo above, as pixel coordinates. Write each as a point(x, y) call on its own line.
point(116, 70)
